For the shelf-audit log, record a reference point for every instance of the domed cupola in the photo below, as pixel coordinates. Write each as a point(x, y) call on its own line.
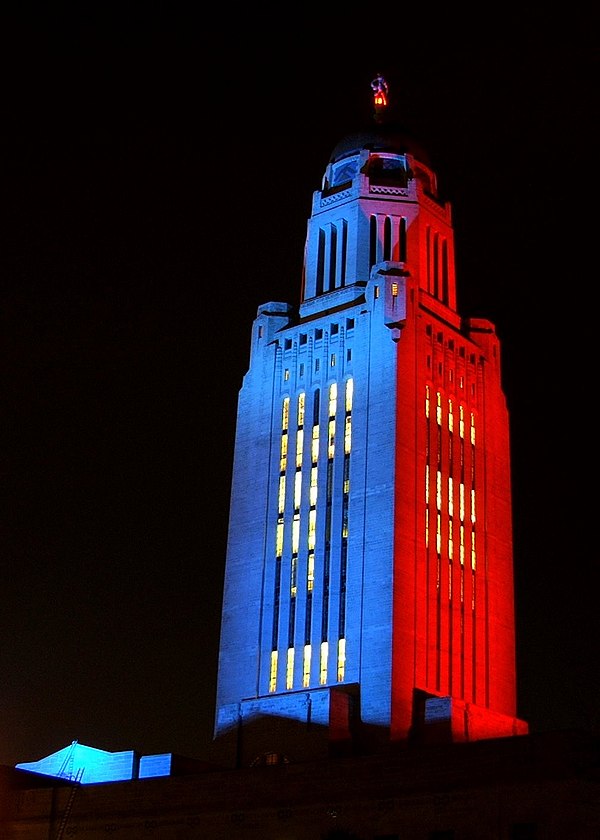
point(380, 150)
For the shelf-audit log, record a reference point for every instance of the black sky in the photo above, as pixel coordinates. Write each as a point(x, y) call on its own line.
point(158, 177)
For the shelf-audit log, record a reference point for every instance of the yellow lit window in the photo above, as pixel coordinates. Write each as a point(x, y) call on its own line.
point(273, 675)
point(286, 374)
point(438, 535)
point(462, 545)
point(394, 290)
point(306, 667)
point(426, 527)
point(310, 574)
point(473, 517)
point(461, 425)
point(450, 497)
point(438, 490)
point(289, 671)
point(312, 528)
point(450, 416)
point(297, 489)
point(426, 483)
point(323, 663)
point(348, 435)
point(299, 446)
point(295, 533)
point(284, 447)
point(279, 538)
point(341, 665)
point(332, 399)
point(473, 553)
point(472, 429)
point(313, 487)
point(427, 401)
point(314, 453)
point(461, 501)
point(349, 393)
point(281, 500)
point(301, 398)
point(438, 410)
point(285, 420)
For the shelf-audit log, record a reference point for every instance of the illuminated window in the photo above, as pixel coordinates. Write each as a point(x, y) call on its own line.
point(438, 535)
point(313, 486)
point(473, 552)
point(289, 673)
point(394, 290)
point(450, 497)
point(348, 435)
point(376, 292)
point(332, 360)
point(314, 452)
point(310, 574)
point(279, 538)
point(332, 399)
point(438, 413)
point(349, 394)
point(301, 403)
point(312, 528)
point(283, 459)
point(341, 665)
point(462, 545)
point(473, 517)
point(286, 374)
point(323, 663)
point(285, 419)
point(472, 429)
point(299, 446)
point(461, 424)
point(426, 483)
point(450, 416)
point(281, 500)
point(427, 401)
point(273, 674)
point(295, 533)
point(306, 666)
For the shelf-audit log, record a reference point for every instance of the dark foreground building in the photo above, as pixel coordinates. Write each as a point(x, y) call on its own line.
point(366, 679)
point(535, 787)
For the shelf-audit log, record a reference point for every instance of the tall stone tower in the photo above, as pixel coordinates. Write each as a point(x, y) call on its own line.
point(368, 597)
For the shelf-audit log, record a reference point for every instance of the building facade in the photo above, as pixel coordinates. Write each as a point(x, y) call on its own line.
point(368, 592)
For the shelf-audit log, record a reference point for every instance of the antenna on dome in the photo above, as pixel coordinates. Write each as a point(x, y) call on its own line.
point(380, 92)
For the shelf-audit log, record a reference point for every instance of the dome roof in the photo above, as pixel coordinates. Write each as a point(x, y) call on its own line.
point(380, 137)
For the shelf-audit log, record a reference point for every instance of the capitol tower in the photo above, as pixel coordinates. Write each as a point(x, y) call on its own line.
point(368, 593)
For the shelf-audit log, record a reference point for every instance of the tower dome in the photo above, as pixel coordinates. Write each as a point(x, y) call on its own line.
point(381, 135)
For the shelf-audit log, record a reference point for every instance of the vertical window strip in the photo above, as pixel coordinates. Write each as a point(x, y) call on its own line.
point(323, 663)
point(306, 666)
point(273, 672)
point(289, 671)
point(341, 663)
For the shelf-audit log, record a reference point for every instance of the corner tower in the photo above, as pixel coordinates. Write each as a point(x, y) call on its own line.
point(368, 597)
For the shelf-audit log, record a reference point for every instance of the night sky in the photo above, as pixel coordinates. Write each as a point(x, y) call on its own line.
point(157, 181)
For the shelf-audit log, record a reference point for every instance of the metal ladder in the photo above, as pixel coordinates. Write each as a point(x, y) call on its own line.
point(76, 782)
